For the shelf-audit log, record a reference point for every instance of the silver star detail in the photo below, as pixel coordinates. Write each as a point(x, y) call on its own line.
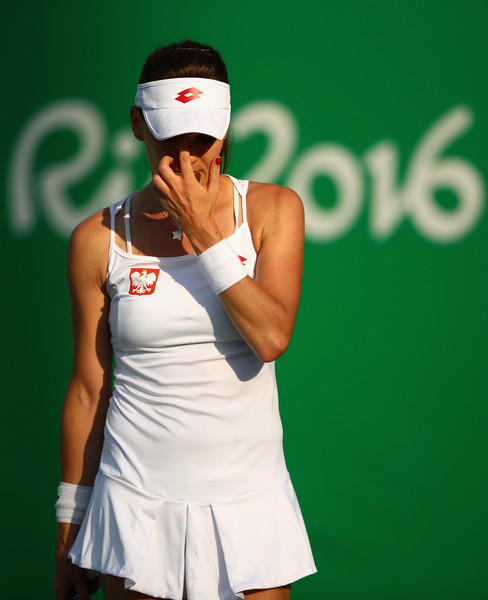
point(177, 234)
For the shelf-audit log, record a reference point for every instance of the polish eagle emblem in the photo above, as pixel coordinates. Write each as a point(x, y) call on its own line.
point(142, 281)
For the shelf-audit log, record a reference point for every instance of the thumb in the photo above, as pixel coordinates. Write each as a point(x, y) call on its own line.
point(214, 175)
point(81, 586)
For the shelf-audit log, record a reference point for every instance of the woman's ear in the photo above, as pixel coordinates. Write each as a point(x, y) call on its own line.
point(136, 123)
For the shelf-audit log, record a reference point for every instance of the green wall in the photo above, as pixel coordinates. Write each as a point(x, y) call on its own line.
point(376, 113)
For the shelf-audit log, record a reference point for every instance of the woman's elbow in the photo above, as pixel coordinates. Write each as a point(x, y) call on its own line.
point(272, 348)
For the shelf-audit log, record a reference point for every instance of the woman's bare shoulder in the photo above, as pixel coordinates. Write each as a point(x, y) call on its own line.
point(271, 201)
point(272, 191)
point(93, 230)
point(89, 243)
point(273, 210)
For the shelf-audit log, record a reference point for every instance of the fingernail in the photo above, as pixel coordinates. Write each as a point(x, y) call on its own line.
point(218, 162)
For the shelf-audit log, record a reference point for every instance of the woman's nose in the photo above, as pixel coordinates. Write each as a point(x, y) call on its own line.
point(197, 143)
point(188, 141)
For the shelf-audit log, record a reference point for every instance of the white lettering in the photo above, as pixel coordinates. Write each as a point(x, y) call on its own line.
point(279, 126)
point(428, 172)
point(86, 122)
point(54, 182)
point(387, 204)
point(334, 161)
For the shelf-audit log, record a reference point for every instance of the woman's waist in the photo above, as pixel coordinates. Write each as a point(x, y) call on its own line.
point(177, 441)
point(196, 481)
point(157, 379)
point(176, 424)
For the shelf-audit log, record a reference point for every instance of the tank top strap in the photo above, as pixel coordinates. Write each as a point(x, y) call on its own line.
point(128, 241)
point(236, 209)
point(114, 209)
point(240, 193)
point(244, 186)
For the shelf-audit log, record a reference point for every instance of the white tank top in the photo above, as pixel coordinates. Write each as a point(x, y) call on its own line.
point(194, 414)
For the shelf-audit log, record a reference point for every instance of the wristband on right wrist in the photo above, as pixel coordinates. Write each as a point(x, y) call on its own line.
point(72, 502)
point(222, 266)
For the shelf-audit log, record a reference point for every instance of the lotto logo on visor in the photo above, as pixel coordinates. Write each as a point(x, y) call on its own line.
point(188, 95)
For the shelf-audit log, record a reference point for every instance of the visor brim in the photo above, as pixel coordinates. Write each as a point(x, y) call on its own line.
point(165, 123)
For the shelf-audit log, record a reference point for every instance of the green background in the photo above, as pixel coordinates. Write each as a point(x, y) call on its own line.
point(383, 392)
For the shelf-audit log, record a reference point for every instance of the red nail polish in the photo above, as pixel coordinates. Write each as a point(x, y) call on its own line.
point(218, 162)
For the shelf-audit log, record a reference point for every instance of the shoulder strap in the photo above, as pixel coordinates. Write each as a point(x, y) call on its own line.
point(245, 185)
point(236, 209)
point(114, 209)
point(128, 241)
point(240, 193)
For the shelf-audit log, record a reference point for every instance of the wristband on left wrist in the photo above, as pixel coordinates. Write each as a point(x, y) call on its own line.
point(72, 502)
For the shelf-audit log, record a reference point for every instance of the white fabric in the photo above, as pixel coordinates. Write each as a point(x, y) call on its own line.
point(72, 502)
point(193, 498)
point(174, 107)
point(222, 266)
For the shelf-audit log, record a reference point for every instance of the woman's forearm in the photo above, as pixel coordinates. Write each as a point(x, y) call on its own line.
point(82, 425)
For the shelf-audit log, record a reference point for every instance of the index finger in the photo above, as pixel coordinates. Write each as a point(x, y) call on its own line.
point(184, 155)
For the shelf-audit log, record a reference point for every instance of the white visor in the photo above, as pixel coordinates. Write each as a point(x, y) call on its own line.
point(173, 107)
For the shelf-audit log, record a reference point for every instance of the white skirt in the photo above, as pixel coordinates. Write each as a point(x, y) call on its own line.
point(175, 549)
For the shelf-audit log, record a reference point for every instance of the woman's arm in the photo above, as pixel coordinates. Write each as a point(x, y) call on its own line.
point(89, 389)
point(263, 310)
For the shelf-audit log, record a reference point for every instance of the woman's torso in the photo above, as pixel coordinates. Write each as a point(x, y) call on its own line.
point(194, 414)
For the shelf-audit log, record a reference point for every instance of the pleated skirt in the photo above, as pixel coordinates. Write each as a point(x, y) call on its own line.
point(180, 550)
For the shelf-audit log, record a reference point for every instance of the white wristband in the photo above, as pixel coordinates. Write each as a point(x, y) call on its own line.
point(222, 266)
point(72, 502)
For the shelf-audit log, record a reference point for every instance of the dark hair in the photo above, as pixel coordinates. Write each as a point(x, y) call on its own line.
point(187, 59)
